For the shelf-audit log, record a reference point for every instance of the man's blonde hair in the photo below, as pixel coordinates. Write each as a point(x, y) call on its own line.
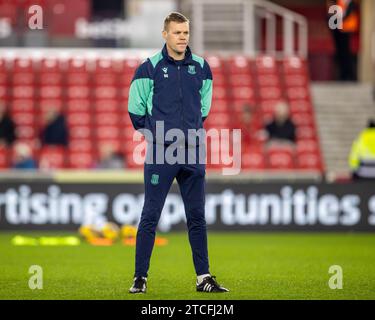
point(174, 17)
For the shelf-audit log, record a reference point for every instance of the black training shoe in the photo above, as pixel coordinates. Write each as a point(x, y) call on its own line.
point(139, 285)
point(209, 284)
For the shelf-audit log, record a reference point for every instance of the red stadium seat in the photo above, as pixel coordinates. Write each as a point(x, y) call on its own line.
point(78, 105)
point(268, 80)
point(266, 65)
point(219, 105)
point(131, 144)
point(127, 134)
point(78, 79)
point(23, 105)
point(307, 146)
point(220, 79)
point(114, 143)
point(124, 93)
point(52, 157)
point(130, 65)
point(51, 65)
point(125, 79)
point(77, 65)
point(23, 78)
point(246, 93)
point(81, 160)
point(253, 160)
point(26, 132)
point(295, 80)
point(306, 132)
point(107, 132)
point(107, 119)
point(106, 92)
point(46, 104)
point(219, 92)
point(239, 65)
point(81, 145)
point(237, 105)
point(241, 80)
point(297, 93)
point(78, 92)
point(300, 106)
point(23, 66)
point(282, 161)
point(3, 65)
point(4, 92)
point(216, 63)
point(309, 161)
point(270, 93)
point(50, 92)
point(79, 119)
point(268, 106)
point(218, 118)
point(22, 118)
point(106, 79)
point(132, 164)
point(106, 105)
point(4, 79)
point(303, 119)
point(4, 158)
point(51, 79)
point(108, 66)
point(135, 152)
point(23, 92)
point(80, 132)
point(294, 65)
point(280, 156)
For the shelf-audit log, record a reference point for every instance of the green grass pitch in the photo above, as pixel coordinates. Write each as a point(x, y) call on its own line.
point(251, 265)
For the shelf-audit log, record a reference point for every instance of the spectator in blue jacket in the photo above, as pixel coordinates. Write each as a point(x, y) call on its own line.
point(23, 158)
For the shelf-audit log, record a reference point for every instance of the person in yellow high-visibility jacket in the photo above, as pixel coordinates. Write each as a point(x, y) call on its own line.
point(362, 155)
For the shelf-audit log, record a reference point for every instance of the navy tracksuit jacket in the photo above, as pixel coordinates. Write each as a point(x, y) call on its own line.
point(178, 93)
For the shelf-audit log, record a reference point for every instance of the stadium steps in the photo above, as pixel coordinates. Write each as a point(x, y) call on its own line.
point(342, 111)
point(222, 24)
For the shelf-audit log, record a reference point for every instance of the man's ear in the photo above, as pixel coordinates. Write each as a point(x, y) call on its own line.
point(164, 34)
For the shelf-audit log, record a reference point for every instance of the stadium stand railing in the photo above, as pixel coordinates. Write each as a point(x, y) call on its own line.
point(251, 26)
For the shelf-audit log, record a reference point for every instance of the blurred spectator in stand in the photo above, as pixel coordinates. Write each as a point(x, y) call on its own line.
point(55, 131)
point(281, 129)
point(362, 155)
point(245, 123)
point(7, 127)
point(109, 158)
point(23, 157)
point(342, 38)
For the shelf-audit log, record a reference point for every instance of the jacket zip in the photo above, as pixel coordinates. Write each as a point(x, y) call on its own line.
point(181, 98)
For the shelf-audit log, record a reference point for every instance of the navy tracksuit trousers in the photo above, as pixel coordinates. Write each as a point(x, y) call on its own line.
point(158, 179)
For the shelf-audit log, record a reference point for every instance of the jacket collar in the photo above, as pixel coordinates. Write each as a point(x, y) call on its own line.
point(188, 55)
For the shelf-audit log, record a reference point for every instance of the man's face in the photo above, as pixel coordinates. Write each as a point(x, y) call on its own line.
point(50, 115)
point(177, 36)
point(281, 112)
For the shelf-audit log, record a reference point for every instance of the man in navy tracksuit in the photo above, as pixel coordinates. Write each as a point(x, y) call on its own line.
point(172, 90)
